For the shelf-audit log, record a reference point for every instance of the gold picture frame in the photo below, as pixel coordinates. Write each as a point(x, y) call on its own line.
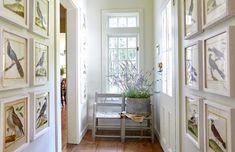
point(192, 18)
point(194, 120)
point(14, 60)
point(14, 123)
point(217, 11)
point(218, 58)
point(15, 11)
point(39, 17)
point(40, 111)
point(40, 65)
point(219, 127)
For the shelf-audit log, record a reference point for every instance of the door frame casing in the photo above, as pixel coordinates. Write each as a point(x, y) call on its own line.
point(72, 96)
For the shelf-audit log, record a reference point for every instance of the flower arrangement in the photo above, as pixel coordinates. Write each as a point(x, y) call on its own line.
point(133, 83)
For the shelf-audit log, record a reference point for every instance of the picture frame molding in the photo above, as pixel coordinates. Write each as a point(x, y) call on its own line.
point(200, 143)
point(32, 47)
point(199, 21)
point(10, 17)
point(230, 123)
point(18, 34)
point(8, 100)
point(230, 30)
point(34, 134)
point(32, 27)
point(199, 60)
point(230, 5)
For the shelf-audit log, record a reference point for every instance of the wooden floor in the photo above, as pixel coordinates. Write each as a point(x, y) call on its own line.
point(105, 144)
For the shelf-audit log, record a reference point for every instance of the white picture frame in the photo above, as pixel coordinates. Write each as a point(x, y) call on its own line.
point(40, 65)
point(217, 11)
point(218, 123)
point(192, 18)
point(14, 72)
point(16, 140)
point(218, 59)
point(40, 114)
point(194, 116)
point(18, 17)
point(192, 65)
point(39, 21)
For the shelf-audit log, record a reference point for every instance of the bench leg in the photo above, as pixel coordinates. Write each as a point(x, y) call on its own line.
point(123, 129)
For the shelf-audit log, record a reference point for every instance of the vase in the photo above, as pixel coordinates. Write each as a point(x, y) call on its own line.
point(138, 106)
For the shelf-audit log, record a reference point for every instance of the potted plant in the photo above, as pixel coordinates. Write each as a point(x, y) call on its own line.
point(137, 86)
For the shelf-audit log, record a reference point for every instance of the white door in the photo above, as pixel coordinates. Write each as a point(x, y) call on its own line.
point(168, 88)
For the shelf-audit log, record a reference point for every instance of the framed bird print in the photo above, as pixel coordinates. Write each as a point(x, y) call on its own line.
point(39, 19)
point(15, 11)
point(215, 11)
point(218, 61)
point(40, 62)
point(192, 52)
point(192, 18)
point(194, 120)
point(14, 123)
point(40, 114)
point(219, 127)
point(14, 61)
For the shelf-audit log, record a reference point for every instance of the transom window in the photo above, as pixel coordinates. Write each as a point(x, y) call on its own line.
point(122, 21)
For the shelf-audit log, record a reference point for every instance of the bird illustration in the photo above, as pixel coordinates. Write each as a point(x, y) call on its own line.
point(214, 66)
point(192, 72)
point(216, 133)
point(190, 11)
point(43, 109)
point(218, 54)
point(14, 121)
point(42, 19)
point(11, 53)
point(211, 4)
point(41, 60)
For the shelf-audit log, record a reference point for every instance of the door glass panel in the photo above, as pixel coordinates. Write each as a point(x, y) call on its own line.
point(167, 51)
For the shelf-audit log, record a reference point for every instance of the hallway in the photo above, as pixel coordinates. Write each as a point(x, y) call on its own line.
point(105, 145)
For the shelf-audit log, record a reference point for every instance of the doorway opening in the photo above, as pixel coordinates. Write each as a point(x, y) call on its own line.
point(63, 75)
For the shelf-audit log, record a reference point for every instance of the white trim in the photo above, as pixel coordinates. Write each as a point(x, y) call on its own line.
point(126, 31)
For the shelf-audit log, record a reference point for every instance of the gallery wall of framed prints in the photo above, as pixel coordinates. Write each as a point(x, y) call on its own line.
point(24, 70)
point(208, 57)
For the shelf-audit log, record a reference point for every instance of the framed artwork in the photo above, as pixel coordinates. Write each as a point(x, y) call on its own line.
point(14, 123)
point(14, 60)
point(83, 59)
point(39, 17)
point(215, 11)
point(192, 18)
point(15, 11)
point(40, 62)
point(194, 120)
point(192, 54)
point(218, 61)
point(219, 127)
point(40, 109)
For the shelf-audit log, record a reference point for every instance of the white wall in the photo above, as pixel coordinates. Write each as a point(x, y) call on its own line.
point(94, 39)
point(46, 142)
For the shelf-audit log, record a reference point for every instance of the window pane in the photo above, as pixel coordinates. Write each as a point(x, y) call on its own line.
point(132, 22)
point(113, 22)
point(132, 42)
point(122, 22)
point(122, 42)
point(132, 54)
point(113, 53)
point(112, 42)
point(122, 54)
